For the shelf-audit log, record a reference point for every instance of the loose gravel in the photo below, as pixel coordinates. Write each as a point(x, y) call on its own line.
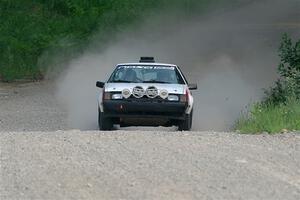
point(30, 107)
point(41, 158)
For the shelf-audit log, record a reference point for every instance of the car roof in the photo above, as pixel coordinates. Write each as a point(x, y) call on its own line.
point(148, 64)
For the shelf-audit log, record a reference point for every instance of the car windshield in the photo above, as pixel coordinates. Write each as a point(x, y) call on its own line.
point(146, 74)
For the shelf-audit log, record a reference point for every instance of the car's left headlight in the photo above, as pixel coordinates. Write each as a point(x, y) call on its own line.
point(173, 98)
point(117, 96)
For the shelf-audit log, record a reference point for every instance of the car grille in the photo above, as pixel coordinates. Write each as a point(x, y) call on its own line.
point(146, 99)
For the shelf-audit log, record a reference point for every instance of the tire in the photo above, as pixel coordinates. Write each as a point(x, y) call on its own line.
point(104, 123)
point(186, 124)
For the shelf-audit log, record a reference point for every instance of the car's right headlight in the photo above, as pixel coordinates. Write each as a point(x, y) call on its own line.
point(173, 98)
point(117, 96)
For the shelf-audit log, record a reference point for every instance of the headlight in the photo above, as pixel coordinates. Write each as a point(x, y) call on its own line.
point(117, 96)
point(173, 98)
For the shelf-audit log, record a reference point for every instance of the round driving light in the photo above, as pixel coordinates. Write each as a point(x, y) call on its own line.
point(151, 92)
point(126, 93)
point(163, 94)
point(138, 92)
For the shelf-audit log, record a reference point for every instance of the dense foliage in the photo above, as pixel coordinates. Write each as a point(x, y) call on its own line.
point(288, 86)
point(280, 110)
point(29, 27)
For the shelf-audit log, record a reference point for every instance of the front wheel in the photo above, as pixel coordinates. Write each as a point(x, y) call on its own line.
point(104, 123)
point(186, 124)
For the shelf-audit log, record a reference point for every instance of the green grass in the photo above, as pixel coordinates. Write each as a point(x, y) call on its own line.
point(271, 118)
point(31, 28)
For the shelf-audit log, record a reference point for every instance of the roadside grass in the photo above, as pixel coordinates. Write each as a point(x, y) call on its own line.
point(9, 74)
point(271, 118)
point(279, 111)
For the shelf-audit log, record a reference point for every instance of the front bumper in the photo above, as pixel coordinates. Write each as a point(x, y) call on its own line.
point(144, 109)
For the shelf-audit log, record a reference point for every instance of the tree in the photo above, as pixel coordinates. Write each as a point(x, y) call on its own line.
point(288, 85)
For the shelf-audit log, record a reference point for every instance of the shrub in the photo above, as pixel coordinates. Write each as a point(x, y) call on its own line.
point(280, 110)
point(288, 85)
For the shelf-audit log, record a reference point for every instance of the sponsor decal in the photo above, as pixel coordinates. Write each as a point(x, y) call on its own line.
point(145, 67)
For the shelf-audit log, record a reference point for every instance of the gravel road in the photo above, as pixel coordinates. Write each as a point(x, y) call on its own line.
point(42, 158)
point(30, 107)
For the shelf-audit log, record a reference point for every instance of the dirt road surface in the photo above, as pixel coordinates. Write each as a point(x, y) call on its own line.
point(42, 158)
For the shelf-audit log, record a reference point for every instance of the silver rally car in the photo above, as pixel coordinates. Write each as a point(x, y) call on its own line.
point(146, 94)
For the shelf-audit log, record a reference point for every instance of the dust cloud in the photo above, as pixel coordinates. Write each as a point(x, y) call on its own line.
point(230, 53)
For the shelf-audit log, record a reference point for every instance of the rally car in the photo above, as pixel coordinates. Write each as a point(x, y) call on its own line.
point(146, 94)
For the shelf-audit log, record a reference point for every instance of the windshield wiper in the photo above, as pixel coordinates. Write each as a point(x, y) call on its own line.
point(121, 81)
point(155, 81)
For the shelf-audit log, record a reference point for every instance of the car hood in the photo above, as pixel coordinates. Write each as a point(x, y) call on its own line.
point(171, 88)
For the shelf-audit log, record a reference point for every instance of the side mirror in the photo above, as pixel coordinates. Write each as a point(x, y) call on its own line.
point(193, 86)
point(100, 84)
